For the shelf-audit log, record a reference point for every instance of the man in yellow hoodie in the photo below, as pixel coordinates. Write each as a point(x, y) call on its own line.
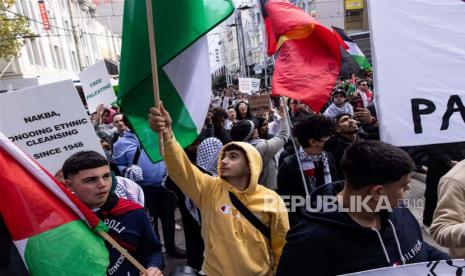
point(233, 245)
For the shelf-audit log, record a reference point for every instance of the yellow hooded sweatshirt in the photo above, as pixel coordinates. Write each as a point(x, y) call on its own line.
point(233, 246)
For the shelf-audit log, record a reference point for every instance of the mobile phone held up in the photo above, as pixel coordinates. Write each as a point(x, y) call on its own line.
point(357, 102)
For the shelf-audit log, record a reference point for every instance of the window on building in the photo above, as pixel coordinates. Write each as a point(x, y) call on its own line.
point(62, 54)
point(54, 60)
point(354, 15)
point(42, 54)
point(30, 53)
point(74, 61)
point(35, 50)
point(59, 57)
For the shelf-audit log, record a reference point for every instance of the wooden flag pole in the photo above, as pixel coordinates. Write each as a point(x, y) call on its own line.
point(123, 251)
point(153, 59)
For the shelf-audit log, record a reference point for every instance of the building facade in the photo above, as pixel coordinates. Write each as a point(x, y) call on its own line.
point(74, 41)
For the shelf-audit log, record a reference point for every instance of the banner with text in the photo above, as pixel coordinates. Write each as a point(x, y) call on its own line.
point(452, 267)
point(418, 83)
point(96, 85)
point(48, 122)
point(259, 103)
point(249, 85)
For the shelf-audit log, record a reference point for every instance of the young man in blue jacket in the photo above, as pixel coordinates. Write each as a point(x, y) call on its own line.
point(87, 174)
point(360, 224)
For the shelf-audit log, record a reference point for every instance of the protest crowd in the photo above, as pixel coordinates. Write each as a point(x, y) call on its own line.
point(239, 184)
point(272, 183)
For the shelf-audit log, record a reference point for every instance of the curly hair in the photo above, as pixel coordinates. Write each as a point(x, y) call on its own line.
point(313, 127)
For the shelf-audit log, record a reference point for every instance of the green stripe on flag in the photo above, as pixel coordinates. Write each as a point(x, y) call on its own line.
point(178, 24)
point(72, 244)
point(362, 62)
point(182, 122)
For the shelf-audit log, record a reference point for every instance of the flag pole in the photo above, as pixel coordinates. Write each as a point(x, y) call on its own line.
point(123, 251)
point(153, 59)
point(304, 181)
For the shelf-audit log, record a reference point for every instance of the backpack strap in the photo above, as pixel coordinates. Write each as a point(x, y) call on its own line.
point(250, 217)
point(136, 156)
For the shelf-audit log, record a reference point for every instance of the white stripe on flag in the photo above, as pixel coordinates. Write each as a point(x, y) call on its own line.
point(353, 49)
point(190, 74)
point(21, 246)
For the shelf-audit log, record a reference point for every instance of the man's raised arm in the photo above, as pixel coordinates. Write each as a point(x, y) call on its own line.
point(186, 175)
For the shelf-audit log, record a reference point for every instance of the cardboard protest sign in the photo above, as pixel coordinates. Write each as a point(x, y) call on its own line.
point(259, 103)
point(48, 122)
point(249, 85)
point(420, 93)
point(452, 267)
point(96, 85)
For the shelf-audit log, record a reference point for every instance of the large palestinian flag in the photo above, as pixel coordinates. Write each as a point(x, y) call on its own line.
point(183, 65)
point(50, 227)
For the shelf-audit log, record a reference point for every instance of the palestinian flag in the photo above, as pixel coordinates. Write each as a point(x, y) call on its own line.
point(348, 65)
point(183, 65)
point(49, 226)
point(349, 45)
point(309, 57)
point(352, 86)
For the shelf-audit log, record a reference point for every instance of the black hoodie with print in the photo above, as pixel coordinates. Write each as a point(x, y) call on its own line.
point(332, 243)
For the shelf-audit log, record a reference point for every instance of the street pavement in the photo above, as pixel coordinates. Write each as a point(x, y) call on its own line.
point(414, 199)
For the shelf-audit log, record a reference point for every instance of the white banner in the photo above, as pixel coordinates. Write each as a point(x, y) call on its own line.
point(249, 85)
point(97, 87)
point(418, 49)
point(48, 122)
point(442, 268)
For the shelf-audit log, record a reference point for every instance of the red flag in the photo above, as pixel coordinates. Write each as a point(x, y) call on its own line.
point(271, 43)
point(309, 57)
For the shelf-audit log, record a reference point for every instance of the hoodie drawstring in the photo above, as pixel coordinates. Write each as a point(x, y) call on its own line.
point(382, 245)
point(397, 241)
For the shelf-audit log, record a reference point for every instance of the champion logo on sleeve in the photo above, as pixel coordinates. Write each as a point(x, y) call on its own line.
point(225, 209)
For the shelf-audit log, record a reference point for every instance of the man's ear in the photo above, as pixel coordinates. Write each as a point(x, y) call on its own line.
point(68, 185)
point(312, 142)
point(376, 191)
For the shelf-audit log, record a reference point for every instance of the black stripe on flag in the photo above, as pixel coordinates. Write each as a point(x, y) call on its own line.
point(342, 34)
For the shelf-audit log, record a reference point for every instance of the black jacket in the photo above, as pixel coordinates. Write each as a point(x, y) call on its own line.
point(331, 243)
point(337, 145)
point(290, 182)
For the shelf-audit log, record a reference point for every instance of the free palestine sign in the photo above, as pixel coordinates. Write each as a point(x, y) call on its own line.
point(97, 87)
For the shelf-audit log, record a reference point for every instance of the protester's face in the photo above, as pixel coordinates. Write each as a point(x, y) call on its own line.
point(264, 129)
point(243, 108)
point(364, 85)
point(317, 145)
point(234, 164)
point(119, 123)
point(105, 116)
point(91, 186)
point(339, 99)
point(396, 190)
point(232, 114)
point(347, 125)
